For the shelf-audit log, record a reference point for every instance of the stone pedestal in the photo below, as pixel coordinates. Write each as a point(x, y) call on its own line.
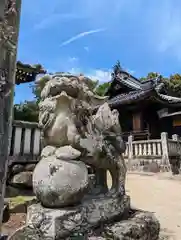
point(139, 226)
point(99, 218)
point(61, 223)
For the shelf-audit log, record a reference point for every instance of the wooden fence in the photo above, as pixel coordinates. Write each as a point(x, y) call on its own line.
point(25, 145)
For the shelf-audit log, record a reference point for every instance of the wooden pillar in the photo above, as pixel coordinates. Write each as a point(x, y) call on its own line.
point(137, 121)
point(9, 29)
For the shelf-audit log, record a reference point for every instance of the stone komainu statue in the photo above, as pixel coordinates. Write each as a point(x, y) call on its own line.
point(80, 129)
point(67, 119)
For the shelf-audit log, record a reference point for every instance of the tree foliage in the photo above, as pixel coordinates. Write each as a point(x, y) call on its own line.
point(102, 88)
point(174, 85)
point(150, 75)
point(27, 111)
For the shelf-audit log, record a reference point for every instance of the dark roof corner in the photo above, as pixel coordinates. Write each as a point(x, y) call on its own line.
point(137, 90)
point(27, 73)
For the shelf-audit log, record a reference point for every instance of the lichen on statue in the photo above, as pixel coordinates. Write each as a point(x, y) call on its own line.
point(57, 121)
point(105, 147)
point(68, 124)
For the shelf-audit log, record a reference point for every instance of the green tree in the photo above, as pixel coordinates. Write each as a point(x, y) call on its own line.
point(26, 111)
point(174, 85)
point(150, 75)
point(93, 84)
point(38, 86)
point(102, 88)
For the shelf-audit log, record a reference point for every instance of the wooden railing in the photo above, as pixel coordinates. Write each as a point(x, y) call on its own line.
point(147, 148)
point(162, 151)
point(25, 145)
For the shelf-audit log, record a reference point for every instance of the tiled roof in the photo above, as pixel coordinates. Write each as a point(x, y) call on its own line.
point(139, 90)
point(135, 96)
point(170, 99)
point(129, 81)
point(133, 83)
point(131, 97)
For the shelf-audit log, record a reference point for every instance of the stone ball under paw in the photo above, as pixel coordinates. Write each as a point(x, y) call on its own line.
point(59, 183)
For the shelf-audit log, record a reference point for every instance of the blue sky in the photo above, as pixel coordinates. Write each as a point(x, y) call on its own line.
point(89, 36)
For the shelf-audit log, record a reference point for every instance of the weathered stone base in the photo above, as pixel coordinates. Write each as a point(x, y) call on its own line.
point(61, 223)
point(139, 226)
point(95, 219)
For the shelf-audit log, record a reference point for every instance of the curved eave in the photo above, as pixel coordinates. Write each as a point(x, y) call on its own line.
point(137, 96)
point(129, 75)
point(27, 73)
point(171, 114)
point(133, 84)
point(126, 79)
point(130, 98)
point(168, 100)
point(28, 67)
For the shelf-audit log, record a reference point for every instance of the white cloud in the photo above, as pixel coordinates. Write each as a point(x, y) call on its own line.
point(94, 74)
point(73, 59)
point(65, 64)
point(86, 49)
point(75, 70)
point(73, 65)
point(100, 75)
point(103, 75)
point(81, 35)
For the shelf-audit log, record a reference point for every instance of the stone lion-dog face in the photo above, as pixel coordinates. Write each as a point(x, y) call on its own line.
point(61, 96)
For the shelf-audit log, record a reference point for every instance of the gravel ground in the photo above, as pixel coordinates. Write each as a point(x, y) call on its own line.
point(16, 220)
point(160, 194)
